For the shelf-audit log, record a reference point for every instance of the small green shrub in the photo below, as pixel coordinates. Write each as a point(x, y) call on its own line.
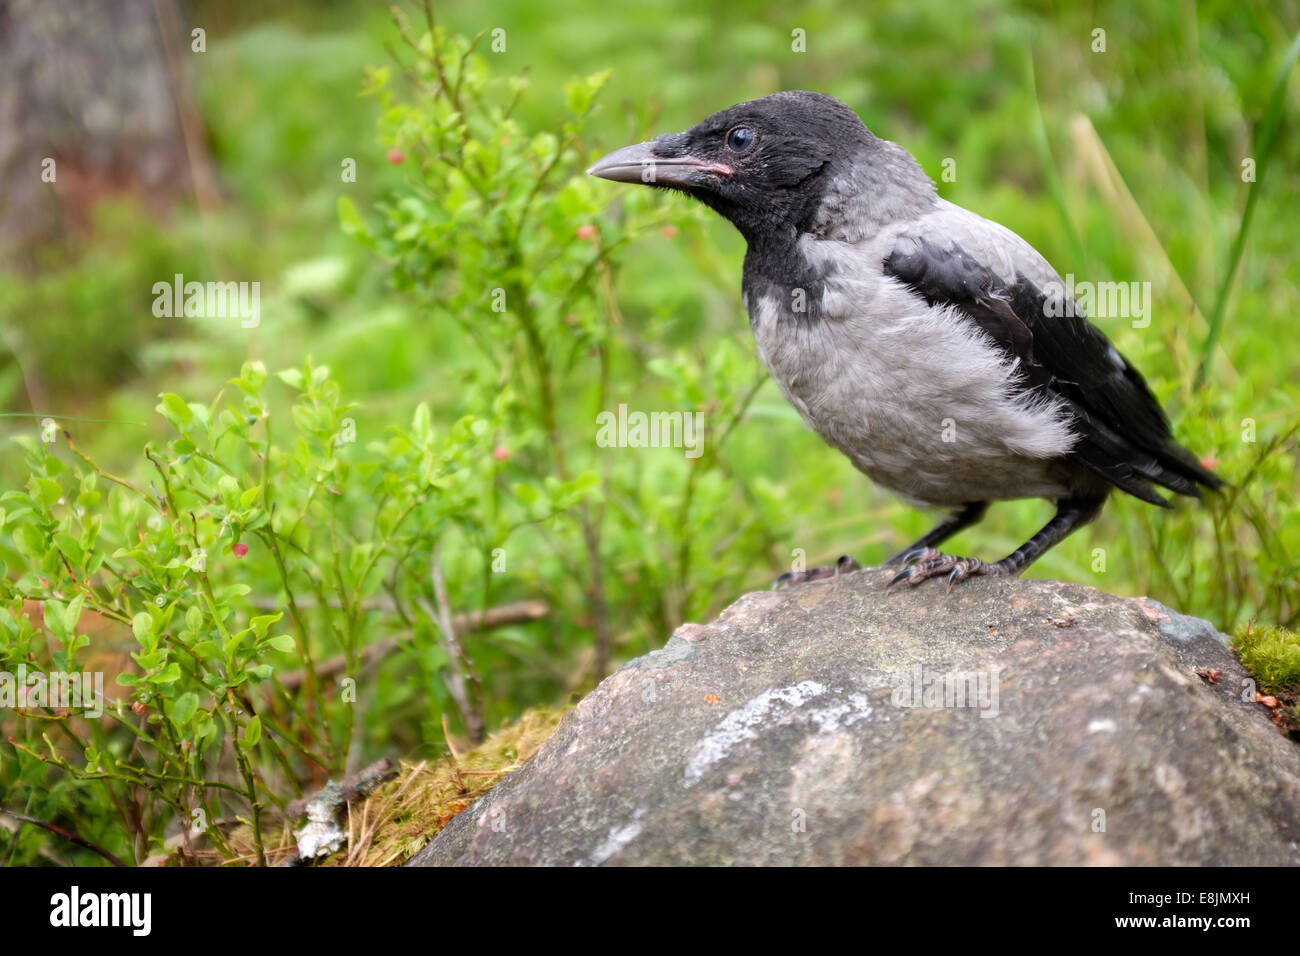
point(243, 508)
point(501, 234)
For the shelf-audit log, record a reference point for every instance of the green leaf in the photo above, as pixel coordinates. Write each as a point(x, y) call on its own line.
point(228, 486)
point(45, 491)
point(142, 625)
point(291, 377)
point(283, 642)
point(184, 708)
point(30, 541)
point(72, 613)
point(252, 734)
point(174, 409)
point(55, 620)
point(260, 624)
point(351, 221)
point(254, 373)
point(421, 424)
point(207, 731)
point(168, 675)
point(579, 94)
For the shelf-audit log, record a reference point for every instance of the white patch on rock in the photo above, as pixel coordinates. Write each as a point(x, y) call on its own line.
point(619, 837)
point(1101, 726)
point(775, 707)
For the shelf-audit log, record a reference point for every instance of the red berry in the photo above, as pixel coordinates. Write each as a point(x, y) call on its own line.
point(240, 550)
point(500, 453)
point(396, 157)
point(586, 233)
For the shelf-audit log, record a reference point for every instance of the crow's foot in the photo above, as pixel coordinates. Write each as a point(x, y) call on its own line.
point(922, 563)
point(844, 565)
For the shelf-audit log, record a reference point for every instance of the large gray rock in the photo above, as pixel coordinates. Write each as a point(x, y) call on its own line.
point(782, 734)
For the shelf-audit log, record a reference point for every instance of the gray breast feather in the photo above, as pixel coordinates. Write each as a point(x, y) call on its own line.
point(912, 394)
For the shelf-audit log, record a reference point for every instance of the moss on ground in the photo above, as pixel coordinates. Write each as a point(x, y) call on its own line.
point(402, 815)
point(1272, 656)
point(407, 812)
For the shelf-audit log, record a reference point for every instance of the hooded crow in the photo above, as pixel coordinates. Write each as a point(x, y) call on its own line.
point(936, 349)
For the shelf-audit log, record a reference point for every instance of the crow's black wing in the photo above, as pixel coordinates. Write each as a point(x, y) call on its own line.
point(1123, 435)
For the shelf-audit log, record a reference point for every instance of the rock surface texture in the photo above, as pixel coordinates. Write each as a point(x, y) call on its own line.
point(1002, 722)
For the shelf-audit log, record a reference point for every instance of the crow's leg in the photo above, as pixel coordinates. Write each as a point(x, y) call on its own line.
point(1071, 513)
point(965, 516)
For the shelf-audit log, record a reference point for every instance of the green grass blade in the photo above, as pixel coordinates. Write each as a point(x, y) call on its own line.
point(1265, 137)
point(1048, 163)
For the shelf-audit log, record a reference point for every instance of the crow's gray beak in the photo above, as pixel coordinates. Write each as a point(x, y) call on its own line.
point(639, 164)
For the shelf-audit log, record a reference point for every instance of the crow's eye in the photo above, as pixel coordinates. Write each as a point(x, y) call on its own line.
point(740, 139)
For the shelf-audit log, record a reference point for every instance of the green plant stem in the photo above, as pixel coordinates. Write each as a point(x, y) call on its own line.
point(246, 772)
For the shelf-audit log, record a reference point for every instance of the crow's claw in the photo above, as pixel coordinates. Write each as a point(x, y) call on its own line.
point(909, 558)
point(923, 563)
point(844, 565)
point(916, 554)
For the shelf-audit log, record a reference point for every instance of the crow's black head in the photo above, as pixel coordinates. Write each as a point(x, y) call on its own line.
point(765, 165)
